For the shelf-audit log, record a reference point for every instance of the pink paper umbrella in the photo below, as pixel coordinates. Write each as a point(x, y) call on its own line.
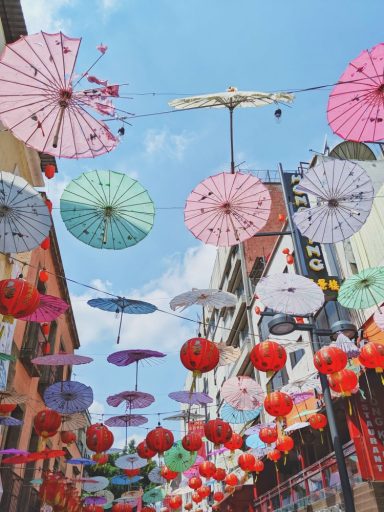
point(133, 399)
point(242, 393)
point(191, 398)
point(49, 309)
point(356, 104)
point(61, 359)
point(226, 209)
point(39, 102)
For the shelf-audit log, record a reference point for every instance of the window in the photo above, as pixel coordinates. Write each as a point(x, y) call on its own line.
point(296, 356)
point(279, 380)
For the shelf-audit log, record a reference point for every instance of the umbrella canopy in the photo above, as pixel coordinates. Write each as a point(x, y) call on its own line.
point(363, 290)
point(255, 429)
point(347, 345)
point(7, 357)
point(107, 495)
point(95, 500)
point(49, 309)
point(344, 194)
point(81, 461)
point(155, 476)
point(301, 396)
point(127, 357)
point(191, 398)
point(290, 294)
point(243, 393)
point(296, 426)
point(254, 442)
point(38, 101)
point(68, 397)
point(236, 416)
point(107, 210)
point(46, 454)
point(306, 412)
point(307, 383)
point(126, 420)
point(25, 220)
point(8, 421)
point(132, 399)
point(185, 416)
point(154, 495)
point(73, 421)
point(13, 451)
point(228, 353)
point(99, 483)
point(125, 480)
point(226, 209)
point(356, 104)
point(178, 459)
point(207, 298)
point(61, 359)
point(130, 461)
point(17, 459)
point(11, 397)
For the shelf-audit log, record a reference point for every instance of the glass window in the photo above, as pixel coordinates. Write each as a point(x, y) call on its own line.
point(279, 380)
point(296, 356)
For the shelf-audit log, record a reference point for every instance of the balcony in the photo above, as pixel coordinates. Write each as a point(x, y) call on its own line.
point(18, 494)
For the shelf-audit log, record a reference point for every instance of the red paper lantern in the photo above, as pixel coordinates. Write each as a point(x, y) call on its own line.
point(290, 259)
point(218, 496)
point(199, 355)
point(207, 469)
point(67, 437)
point(122, 507)
point(257, 310)
point(218, 431)
point(131, 472)
point(286, 251)
point(258, 467)
point(344, 382)
point(281, 217)
point(268, 356)
point(204, 491)
point(47, 423)
point(99, 438)
point(44, 328)
point(188, 506)
point(49, 171)
point(235, 443)
point(49, 204)
point(144, 452)
point(278, 404)
point(52, 490)
point(18, 298)
point(46, 348)
point(229, 489)
point(100, 458)
point(219, 475)
point(46, 243)
point(167, 473)
point(330, 360)
point(192, 442)
point(175, 502)
point(196, 497)
point(195, 482)
point(159, 439)
point(231, 479)
point(372, 356)
point(7, 408)
point(246, 461)
point(318, 421)
point(274, 455)
point(268, 435)
point(285, 444)
point(43, 276)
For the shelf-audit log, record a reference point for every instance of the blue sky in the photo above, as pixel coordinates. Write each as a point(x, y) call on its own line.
point(173, 48)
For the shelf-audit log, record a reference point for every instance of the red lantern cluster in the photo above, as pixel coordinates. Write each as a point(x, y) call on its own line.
point(18, 298)
point(67, 437)
point(246, 461)
point(199, 355)
point(343, 382)
point(144, 452)
point(235, 443)
point(195, 482)
point(268, 435)
point(278, 404)
point(218, 431)
point(167, 473)
point(47, 422)
point(192, 442)
point(99, 438)
point(329, 360)
point(207, 469)
point(372, 356)
point(268, 356)
point(318, 421)
point(285, 443)
point(159, 440)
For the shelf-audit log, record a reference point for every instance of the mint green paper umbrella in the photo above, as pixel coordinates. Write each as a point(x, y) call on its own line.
point(154, 495)
point(178, 459)
point(107, 210)
point(6, 357)
point(363, 290)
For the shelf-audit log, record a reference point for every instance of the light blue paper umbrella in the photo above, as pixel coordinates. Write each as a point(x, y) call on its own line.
point(107, 210)
point(232, 415)
point(125, 480)
point(81, 462)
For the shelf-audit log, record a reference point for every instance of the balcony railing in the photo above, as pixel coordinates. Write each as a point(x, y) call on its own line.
point(18, 494)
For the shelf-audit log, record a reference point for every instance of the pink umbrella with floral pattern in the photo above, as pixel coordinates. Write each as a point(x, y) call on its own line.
point(49, 309)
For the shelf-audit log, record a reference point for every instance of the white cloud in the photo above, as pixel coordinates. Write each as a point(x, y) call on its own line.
point(172, 145)
point(46, 15)
point(96, 408)
point(192, 269)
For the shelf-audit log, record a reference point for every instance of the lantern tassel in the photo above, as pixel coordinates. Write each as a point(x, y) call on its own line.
point(349, 407)
point(321, 437)
point(41, 444)
point(382, 378)
point(285, 459)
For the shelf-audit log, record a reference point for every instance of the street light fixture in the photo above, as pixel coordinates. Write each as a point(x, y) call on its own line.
point(282, 324)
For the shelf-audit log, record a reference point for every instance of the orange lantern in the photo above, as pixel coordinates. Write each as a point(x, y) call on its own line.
point(257, 310)
point(18, 298)
point(47, 423)
point(159, 440)
point(7, 408)
point(100, 458)
point(49, 171)
point(204, 491)
point(219, 475)
point(318, 421)
point(268, 435)
point(46, 243)
point(285, 444)
point(278, 404)
point(218, 431)
point(344, 382)
point(192, 442)
point(372, 356)
point(199, 355)
point(268, 356)
point(175, 502)
point(246, 461)
point(231, 480)
point(99, 438)
point(235, 443)
point(167, 473)
point(196, 497)
point(207, 469)
point(329, 360)
point(67, 437)
point(274, 455)
point(144, 452)
point(218, 496)
point(195, 482)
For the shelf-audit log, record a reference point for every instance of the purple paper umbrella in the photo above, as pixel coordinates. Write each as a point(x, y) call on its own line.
point(68, 397)
point(256, 428)
point(13, 451)
point(190, 398)
point(8, 421)
point(49, 309)
point(61, 359)
point(126, 420)
point(194, 470)
point(133, 399)
point(301, 396)
point(95, 500)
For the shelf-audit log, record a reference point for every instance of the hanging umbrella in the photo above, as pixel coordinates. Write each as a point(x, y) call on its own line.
point(155, 476)
point(255, 429)
point(307, 383)
point(130, 461)
point(154, 495)
point(346, 345)
point(81, 461)
point(306, 412)
point(133, 399)
point(125, 480)
point(296, 426)
point(95, 500)
point(207, 298)
point(127, 357)
point(194, 470)
point(13, 451)
point(8, 421)
point(228, 353)
point(17, 459)
point(46, 454)
point(178, 459)
point(185, 416)
point(106, 494)
point(7, 357)
point(11, 397)
point(61, 359)
point(243, 393)
point(356, 107)
point(378, 318)
point(231, 99)
point(73, 421)
point(236, 416)
point(68, 397)
point(363, 290)
point(49, 309)
point(344, 194)
point(191, 398)
point(107, 210)
point(39, 103)
point(301, 396)
point(98, 483)
point(24, 217)
point(226, 209)
point(126, 420)
point(290, 294)
point(121, 305)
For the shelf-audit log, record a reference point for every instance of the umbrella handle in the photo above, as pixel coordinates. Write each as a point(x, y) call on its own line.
point(56, 136)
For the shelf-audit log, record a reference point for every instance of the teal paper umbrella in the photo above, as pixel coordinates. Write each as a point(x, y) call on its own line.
point(363, 290)
point(178, 459)
point(154, 495)
point(107, 210)
point(235, 416)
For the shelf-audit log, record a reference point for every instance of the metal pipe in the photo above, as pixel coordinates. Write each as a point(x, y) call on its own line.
point(272, 233)
point(231, 135)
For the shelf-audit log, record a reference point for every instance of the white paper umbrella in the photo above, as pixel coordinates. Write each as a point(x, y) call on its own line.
point(99, 483)
point(107, 495)
point(130, 461)
point(228, 353)
point(346, 345)
point(378, 318)
point(208, 298)
point(296, 426)
point(24, 217)
point(290, 294)
point(155, 476)
point(344, 194)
